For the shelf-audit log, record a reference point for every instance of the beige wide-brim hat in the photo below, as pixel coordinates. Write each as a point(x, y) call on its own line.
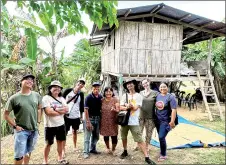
point(55, 83)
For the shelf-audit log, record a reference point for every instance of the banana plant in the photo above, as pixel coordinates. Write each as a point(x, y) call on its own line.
point(49, 32)
point(87, 59)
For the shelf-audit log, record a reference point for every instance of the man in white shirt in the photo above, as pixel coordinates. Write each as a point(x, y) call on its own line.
point(75, 101)
point(132, 101)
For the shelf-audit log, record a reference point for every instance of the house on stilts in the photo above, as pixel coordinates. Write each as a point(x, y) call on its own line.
point(148, 43)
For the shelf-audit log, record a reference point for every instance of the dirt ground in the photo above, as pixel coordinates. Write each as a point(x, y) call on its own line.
point(180, 156)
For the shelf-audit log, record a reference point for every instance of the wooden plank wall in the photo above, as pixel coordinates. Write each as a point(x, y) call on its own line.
point(144, 48)
point(107, 56)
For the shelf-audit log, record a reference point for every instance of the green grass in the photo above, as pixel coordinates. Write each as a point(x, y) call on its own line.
point(189, 87)
point(217, 124)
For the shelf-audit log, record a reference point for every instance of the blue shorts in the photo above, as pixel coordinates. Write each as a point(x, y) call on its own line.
point(24, 142)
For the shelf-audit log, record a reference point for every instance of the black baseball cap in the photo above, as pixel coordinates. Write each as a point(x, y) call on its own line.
point(82, 81)
point(26, 76)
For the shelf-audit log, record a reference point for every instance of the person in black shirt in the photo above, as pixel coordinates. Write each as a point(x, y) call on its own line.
point(92, 120)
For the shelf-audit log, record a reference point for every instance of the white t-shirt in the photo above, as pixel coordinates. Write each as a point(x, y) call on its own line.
point(135, 99)
point(53, 121)
point(74, 108)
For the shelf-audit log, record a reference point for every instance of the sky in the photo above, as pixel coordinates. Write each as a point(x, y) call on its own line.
point(214, 10)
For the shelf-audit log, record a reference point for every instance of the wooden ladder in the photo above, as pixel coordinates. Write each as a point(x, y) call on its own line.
point(210, 78)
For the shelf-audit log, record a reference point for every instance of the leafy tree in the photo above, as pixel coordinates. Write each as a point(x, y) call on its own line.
point(69, 12)
point(200, 51)
point(86, 61)
point(63, 18)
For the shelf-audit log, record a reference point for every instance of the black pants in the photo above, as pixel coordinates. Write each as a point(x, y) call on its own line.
point(114, 139)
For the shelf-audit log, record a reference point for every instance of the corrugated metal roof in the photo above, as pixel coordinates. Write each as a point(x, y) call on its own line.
point(191, 23)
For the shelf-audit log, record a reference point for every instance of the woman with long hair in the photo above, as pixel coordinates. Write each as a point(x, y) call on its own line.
point(55, 107)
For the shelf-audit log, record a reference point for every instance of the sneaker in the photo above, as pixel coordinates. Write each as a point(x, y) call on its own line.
point(149, 161)
point(124, 155)
point(85, 155)
point(94, 152)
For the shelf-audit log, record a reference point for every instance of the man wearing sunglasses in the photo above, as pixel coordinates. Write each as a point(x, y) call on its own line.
point(26, 105)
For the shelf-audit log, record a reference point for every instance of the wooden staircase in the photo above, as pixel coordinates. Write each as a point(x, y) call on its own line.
point(204, 94)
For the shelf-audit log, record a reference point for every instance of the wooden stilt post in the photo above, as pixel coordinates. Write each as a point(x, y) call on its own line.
point(209, 55)
point(120, 86)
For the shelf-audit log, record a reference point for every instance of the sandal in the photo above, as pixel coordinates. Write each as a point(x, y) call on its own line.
point(63, 161)
point(136, 149)
point(113, 153)
point(76, 150)
point(162, 158)
point(108, 151)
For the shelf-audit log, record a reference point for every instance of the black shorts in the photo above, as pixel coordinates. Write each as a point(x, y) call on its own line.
point(71, 122)
point(51, 132)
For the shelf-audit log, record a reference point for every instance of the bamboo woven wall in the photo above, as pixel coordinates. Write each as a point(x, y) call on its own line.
point(143, 48)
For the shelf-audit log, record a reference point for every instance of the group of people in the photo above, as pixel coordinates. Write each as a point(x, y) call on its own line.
point(148, 109)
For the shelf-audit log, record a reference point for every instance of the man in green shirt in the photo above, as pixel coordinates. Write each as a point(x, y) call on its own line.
point(26, 106)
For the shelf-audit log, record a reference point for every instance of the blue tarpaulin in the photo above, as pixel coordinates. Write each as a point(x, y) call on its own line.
point(190, 142)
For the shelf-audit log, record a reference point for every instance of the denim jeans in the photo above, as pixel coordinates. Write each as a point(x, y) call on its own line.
point(24, 142)
point(163, 129)
point(91, 137)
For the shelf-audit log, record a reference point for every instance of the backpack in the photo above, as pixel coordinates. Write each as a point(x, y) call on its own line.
point(123, 116)
point(66, 92)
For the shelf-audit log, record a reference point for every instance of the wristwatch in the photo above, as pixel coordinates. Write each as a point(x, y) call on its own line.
point(14, 127)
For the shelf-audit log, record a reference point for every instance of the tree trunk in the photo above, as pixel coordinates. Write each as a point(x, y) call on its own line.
point(54, 62)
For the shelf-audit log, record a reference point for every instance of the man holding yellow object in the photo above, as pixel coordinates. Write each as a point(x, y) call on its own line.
point(132, 100)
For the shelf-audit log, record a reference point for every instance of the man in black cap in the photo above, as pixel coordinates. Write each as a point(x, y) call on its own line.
point(26, 105)
point(132, 100)
point(92, 120)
